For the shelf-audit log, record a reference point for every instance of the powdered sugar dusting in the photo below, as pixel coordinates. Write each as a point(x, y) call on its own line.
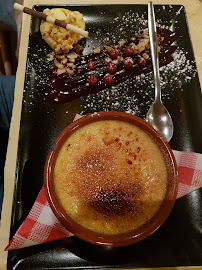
point(180, 70)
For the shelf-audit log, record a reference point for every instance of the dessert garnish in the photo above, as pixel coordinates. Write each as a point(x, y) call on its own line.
point(59, 39)
point(67, 23)
point(75, 75)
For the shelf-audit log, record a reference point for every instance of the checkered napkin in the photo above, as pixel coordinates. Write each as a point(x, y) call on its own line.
point(42, 226)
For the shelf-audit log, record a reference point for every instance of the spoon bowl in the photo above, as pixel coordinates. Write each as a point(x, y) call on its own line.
point(160, 119)
point(157, 116)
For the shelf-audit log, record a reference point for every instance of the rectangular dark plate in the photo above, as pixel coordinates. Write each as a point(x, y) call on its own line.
point(178, 241)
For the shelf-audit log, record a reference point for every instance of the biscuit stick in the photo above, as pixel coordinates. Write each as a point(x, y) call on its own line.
point(50, 19)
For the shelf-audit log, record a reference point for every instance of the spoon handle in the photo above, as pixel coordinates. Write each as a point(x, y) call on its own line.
point(154, 50)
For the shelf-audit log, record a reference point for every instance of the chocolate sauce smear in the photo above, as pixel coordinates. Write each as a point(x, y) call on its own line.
point(64, 88)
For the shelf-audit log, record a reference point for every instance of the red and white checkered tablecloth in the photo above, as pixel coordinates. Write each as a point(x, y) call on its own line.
point(42, 226)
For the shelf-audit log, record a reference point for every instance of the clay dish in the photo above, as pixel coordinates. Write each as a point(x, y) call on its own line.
point(120, 239)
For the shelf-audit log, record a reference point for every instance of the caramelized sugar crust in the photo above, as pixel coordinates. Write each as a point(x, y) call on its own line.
point(110, 177)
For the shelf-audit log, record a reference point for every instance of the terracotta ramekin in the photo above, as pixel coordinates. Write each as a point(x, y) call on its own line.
point(120, 239)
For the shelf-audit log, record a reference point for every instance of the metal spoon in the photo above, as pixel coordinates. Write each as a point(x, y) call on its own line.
point(157, 115)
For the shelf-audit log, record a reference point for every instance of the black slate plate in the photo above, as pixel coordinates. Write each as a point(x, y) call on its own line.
point(179, 241)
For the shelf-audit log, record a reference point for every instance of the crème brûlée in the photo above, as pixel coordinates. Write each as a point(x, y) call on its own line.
point(110, 177)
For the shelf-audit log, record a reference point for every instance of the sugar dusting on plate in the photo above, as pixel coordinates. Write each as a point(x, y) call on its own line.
point(180, 70)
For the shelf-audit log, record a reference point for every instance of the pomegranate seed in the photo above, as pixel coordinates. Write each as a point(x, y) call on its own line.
point(92, 80)
point(108, 78)
point(128, 62)
point(142, 61)
point(91, 64)
point(129, 51)
point(113, 54)
point(107, 60)
point(111, 68)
